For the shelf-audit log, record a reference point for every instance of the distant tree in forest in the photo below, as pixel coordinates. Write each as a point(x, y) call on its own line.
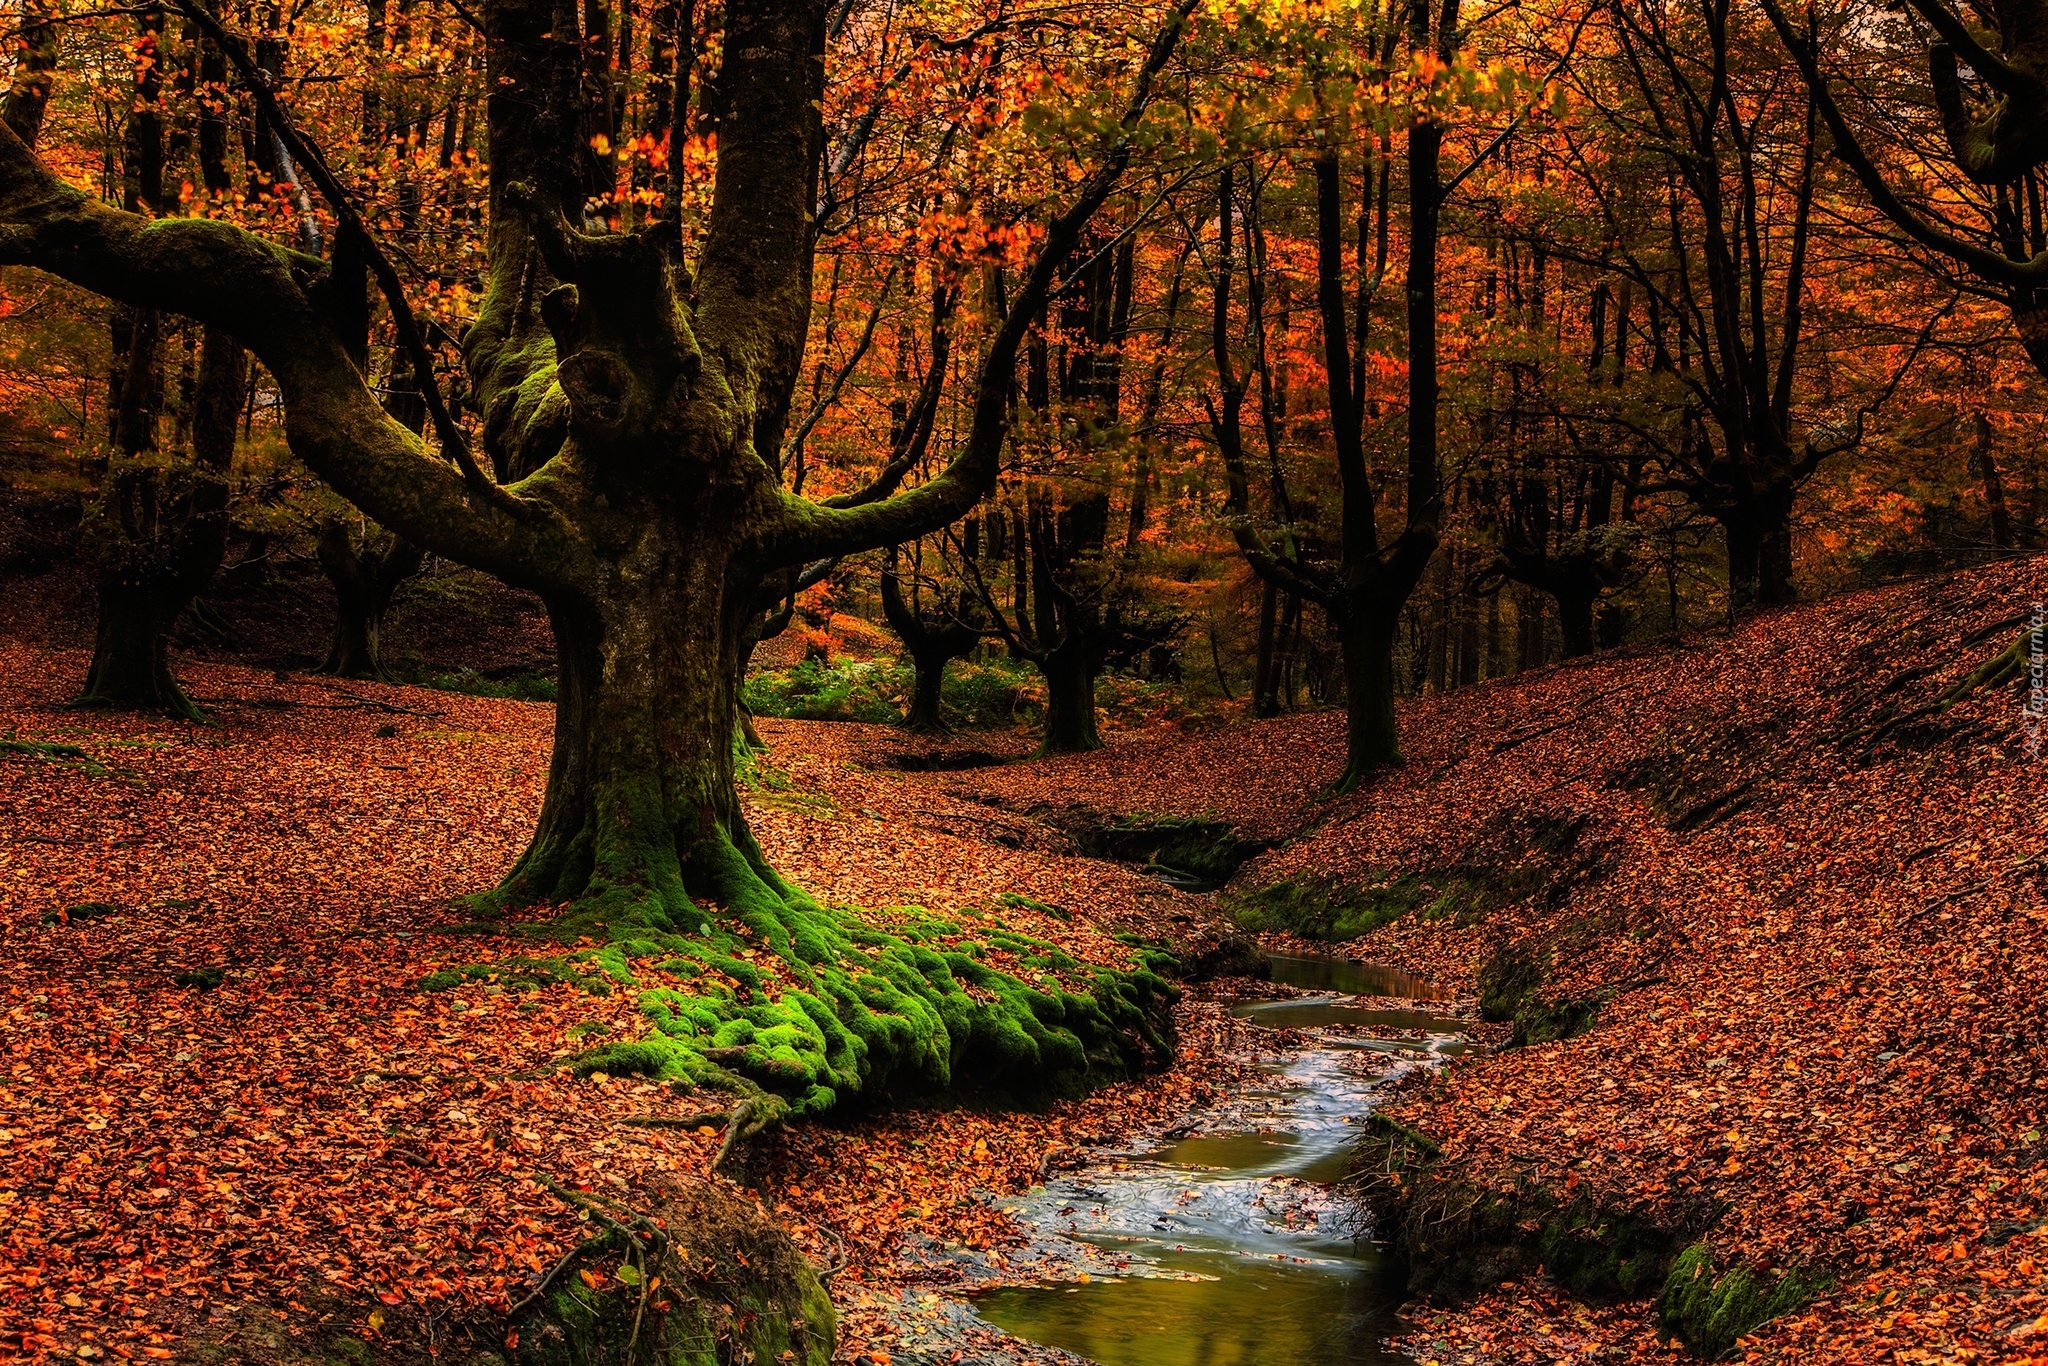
point(936, 626)
point(1995, 130)
point(1363, 580)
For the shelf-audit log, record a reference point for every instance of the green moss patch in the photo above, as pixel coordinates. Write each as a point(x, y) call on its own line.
point(55, 752)
point(703, 1281)
point(40, 749)
point(1318, 908)
point(1516, 859)
point(794, 1007)
point(514, 974)
point(201, 979)
point(1712, 1311)
point(84, 910)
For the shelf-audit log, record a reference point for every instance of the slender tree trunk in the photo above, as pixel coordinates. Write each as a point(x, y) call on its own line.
point(1468, 624)
point(1529, 623)
point(1265, 699)
point(1069, 702)
point(1994, 487)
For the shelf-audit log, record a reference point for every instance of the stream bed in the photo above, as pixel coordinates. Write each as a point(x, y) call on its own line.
point(1226, 1246)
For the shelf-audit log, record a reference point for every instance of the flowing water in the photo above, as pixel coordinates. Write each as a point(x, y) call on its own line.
point(1226, 1247)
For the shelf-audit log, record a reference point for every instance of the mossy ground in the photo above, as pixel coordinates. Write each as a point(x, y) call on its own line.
point(1712, 1311)
point(1525, 857)
point(799, 1007)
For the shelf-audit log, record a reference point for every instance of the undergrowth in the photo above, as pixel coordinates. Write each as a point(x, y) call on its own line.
point(998, 692)
point(523, 686)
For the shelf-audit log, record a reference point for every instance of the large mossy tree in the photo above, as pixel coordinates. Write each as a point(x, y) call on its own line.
point(654, 383)
point(644, 392)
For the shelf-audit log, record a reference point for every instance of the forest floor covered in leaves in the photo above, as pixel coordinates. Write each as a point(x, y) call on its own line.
point(1796, 904)
point(1787, 913)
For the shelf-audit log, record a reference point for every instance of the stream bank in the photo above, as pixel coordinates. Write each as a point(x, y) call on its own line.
point(1220, 1239)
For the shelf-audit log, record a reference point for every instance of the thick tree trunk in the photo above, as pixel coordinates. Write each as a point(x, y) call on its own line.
point(1371, 738)
point(354, 651)
point(923, 715)
point(162, 535)
point(1069, 702)
point(364, 580)
point(1760, 551)
point(641, 813)
point(1776, 584)
point(131, 665)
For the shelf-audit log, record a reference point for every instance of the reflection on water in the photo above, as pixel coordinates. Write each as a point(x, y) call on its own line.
point(1348, 978)
point(1247, 1312)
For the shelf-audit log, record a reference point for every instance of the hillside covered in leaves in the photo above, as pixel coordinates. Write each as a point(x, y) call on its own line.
point(1757, 919)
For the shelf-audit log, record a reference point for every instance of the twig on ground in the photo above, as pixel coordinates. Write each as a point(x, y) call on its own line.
point(568, 1257)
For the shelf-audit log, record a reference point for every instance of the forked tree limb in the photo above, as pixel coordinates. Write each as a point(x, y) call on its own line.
point(1990, 265)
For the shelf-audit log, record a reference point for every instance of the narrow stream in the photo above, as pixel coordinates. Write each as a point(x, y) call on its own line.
point(1226, 1247)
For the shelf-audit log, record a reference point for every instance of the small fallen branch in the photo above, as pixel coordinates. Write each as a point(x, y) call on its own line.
point(713, 1119)
point(1394, 1128)
point(568, 1259)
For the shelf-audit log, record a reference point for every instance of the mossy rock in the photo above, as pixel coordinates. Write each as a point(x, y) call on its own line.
point(722, 1285)
point(1317, 908)
point(1711, 1311)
